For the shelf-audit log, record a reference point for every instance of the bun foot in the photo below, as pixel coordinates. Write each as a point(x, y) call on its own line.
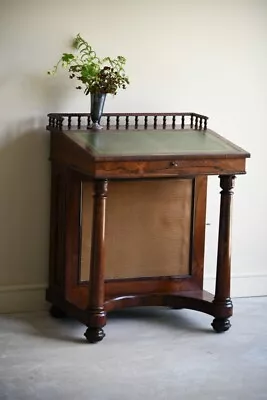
point(94, 335)
point(55, 312)
point(221, 325)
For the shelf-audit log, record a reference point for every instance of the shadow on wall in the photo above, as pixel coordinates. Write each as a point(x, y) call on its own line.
point(51, 93)
point(25, 175)
point(32, 92)
point(24, 203)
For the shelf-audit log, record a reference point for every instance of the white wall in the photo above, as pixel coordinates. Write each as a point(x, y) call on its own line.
point(205, 56)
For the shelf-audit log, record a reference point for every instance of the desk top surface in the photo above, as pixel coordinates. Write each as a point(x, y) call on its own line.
point(154, 143)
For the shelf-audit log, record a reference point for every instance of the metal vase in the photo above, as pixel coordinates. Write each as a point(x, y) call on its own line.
point(97, 105)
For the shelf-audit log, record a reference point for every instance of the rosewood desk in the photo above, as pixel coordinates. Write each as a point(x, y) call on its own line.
point(128, 207)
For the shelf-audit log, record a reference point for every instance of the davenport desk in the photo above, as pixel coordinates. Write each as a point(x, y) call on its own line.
point(128, 207)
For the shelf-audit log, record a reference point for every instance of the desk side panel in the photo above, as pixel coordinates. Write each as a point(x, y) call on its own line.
point(65, 151)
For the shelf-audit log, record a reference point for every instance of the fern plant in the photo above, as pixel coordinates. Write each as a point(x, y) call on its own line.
point(95, 74)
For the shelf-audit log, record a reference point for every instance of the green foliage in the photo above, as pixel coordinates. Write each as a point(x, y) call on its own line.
point(96, 75)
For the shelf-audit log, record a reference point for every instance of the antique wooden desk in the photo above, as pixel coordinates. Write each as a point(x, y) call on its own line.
point(128, 207)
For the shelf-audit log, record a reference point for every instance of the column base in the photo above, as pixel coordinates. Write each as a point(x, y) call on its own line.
point(94, 335)
point(221, 325)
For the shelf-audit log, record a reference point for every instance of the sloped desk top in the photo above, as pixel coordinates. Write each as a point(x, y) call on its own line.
point(154, 143)
point(133, 153)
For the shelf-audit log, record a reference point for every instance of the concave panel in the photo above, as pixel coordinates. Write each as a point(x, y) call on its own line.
point(148, 228)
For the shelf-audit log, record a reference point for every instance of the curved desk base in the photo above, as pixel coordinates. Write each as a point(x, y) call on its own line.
point(193, 300)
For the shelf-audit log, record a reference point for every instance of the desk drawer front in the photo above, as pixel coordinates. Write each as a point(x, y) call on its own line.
point(179, 167)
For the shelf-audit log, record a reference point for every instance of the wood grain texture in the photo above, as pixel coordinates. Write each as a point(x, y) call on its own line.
point(175, 167)
point(78, 293)
point(57, 227)
point(222, 298)
point(198, 300)
point(198, 228)
point(66, 152)
point(95, 308)
point(155, 224)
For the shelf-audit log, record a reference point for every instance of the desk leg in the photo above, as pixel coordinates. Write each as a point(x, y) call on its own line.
point(96, 313)
point(222, 301)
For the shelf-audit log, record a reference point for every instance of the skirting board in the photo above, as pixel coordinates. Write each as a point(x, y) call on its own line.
point(242, 285)
point(23, 298)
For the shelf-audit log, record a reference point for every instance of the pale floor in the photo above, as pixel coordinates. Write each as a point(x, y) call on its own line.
point(147, 354)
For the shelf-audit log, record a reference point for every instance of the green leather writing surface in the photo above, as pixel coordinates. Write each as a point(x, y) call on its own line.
point(153, 143)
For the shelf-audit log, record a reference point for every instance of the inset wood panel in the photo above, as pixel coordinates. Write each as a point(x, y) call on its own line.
point(148, 228)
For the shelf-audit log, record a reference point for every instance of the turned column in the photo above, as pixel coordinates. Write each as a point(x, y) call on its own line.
point(222, 301)
point(96, 312)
